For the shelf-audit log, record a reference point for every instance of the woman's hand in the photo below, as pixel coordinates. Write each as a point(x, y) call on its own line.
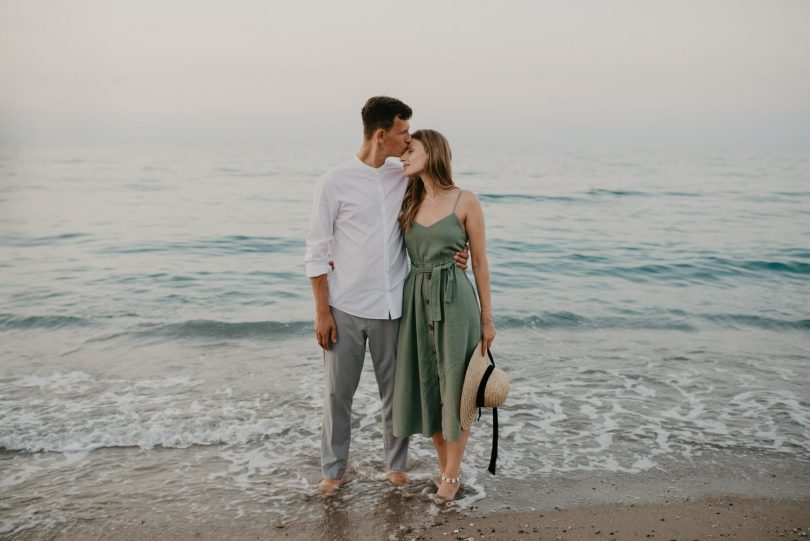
point(487, 335)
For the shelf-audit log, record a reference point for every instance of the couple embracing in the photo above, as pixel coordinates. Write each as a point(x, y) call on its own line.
point(422, 322)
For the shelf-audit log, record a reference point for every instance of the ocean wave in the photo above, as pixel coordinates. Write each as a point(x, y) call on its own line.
point(661, 319)
point(48, 240)
point(789, 267)
point(602, 192)
point(744, 320)
point(585, 196)
point(78, 412)
point(169, 433)
point(656, 319)
point(676, 320)
point(569, 320)
point(710, 269)
point(202, 328)
point(228, 245)
point(575, 419)
point(676, 273)
point(18, 322)
point(505, 197)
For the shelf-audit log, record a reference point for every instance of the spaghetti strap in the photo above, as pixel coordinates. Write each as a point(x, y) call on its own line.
point(460, 191)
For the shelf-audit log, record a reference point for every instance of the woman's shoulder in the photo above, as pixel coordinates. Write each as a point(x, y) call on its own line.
point(467, 206)
point(466, 198)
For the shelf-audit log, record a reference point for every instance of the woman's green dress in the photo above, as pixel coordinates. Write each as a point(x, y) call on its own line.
point(438, 332)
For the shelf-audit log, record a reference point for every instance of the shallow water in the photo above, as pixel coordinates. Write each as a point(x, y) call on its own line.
point(155, 325)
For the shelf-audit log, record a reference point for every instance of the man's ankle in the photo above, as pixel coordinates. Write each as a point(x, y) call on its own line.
point(328, 487)
point(332, 481)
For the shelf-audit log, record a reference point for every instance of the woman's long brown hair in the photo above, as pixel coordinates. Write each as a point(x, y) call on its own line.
point(437, 167)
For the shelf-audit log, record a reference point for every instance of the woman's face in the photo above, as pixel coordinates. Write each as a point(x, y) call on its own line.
point(414, 158)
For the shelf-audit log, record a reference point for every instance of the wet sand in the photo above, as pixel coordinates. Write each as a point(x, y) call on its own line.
point(730, 517)
point(737, 505)
point(724, 497)
point(713, 518)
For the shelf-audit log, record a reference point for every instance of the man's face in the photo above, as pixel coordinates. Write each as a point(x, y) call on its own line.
point(397, 139)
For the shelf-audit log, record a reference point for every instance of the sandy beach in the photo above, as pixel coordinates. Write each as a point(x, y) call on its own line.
point(744, 499)
point(726, 517)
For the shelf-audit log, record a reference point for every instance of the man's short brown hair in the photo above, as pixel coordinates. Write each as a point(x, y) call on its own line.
point(380, 112)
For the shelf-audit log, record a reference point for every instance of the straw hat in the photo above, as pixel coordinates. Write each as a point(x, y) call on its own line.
point(494, 394)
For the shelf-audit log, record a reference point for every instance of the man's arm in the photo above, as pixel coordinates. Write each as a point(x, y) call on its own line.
point(317, 260)
point(325, 330)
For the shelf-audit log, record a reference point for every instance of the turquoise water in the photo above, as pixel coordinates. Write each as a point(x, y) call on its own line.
point(195, 245)
point(651, 308)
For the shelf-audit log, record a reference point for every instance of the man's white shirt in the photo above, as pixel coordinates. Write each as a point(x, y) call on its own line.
point(354, 223)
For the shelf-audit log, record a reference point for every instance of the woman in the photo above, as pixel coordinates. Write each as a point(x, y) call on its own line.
point(441, 322)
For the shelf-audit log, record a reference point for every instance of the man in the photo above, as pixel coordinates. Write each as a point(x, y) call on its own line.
point(354, 224)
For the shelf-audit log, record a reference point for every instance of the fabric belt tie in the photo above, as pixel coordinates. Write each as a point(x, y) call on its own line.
point(434, 295)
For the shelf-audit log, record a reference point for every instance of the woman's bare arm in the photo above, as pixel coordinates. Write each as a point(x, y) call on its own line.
point(474, 224)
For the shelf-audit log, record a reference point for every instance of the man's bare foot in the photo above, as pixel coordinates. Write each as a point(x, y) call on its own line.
point(396, 478)
point(329, 487)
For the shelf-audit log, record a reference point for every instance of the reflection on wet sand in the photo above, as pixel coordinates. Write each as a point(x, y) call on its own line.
point(395, 513)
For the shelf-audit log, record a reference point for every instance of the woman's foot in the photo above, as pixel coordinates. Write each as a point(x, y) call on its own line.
point(447, 489)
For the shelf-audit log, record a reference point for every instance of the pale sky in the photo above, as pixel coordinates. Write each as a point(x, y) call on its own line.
point(533, 74)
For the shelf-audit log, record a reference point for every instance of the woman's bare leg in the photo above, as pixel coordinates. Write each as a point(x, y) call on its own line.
point(452, 469)
point(441, 451)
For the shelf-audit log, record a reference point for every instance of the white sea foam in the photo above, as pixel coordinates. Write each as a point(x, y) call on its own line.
point(77, 412)
point(266, 444)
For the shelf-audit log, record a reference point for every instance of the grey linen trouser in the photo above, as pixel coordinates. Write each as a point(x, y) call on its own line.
point(343, 365)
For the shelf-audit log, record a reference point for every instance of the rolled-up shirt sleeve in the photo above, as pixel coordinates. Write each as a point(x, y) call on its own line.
point(321, 229)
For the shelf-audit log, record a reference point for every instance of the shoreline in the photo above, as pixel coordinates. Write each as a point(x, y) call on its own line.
point(741, 499)
point(714, 517)
point(717, 517)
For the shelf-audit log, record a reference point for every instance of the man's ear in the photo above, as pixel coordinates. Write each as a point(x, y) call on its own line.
point(379, 135)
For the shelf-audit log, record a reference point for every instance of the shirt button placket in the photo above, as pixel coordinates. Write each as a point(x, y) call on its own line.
point(383, 214)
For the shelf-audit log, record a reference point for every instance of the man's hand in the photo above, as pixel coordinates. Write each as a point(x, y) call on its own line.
point(325, 330)
point(462, 257)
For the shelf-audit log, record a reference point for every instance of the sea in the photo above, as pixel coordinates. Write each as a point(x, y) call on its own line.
point(157, 355)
